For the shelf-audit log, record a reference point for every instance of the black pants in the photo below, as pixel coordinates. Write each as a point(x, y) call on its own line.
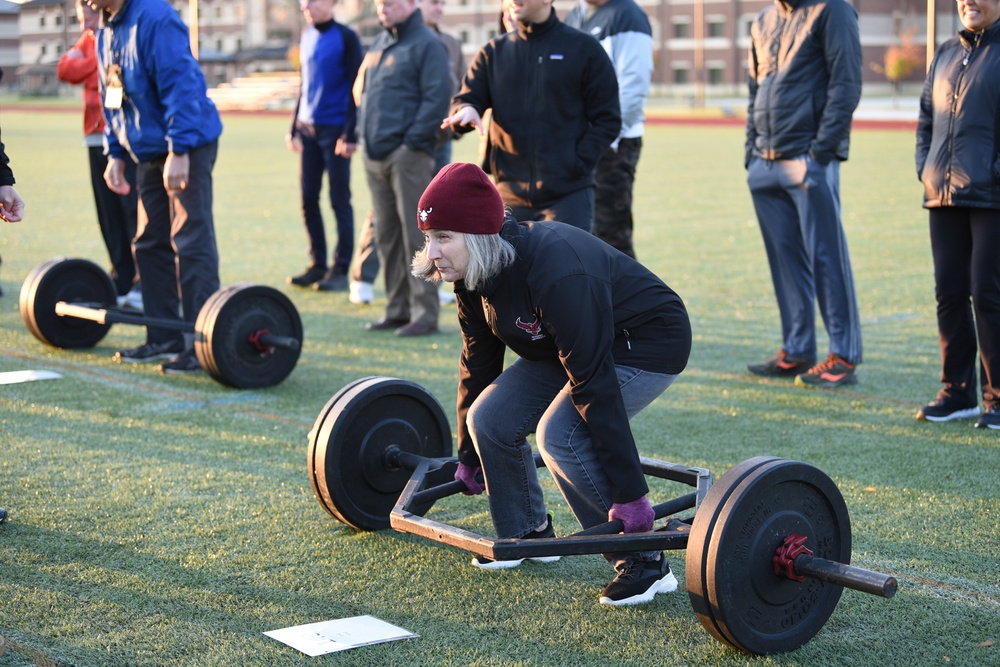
point(175, 244)
point(965, 243)
point(615, 177)
point(576, 208)
point(116, 215)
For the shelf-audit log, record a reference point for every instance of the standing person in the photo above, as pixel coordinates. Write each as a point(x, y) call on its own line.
point(598, 338)
point(159, 115)
point(11, 204)
point(116, 214)
point(433, 11)
point(623, 30)
point(805, 82)
point(554, 98)
point(323, 134)
point(956, 158)
point(11, 210)
point(366, 266)
point(403, 97)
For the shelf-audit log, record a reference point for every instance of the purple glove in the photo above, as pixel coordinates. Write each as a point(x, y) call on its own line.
point(467, 474)
point(637, 515)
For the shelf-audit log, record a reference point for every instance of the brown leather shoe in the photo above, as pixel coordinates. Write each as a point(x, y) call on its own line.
point(416, 329)
point(384, 324)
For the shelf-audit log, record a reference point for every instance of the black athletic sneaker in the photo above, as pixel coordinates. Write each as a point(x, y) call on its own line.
point(990, 418)
point(151, 351)
point(945, 408)
point(332, 281)
point(484, 563)
point(638, 581)
point(184, 363)
point(829, 374)
point(781, 365)
point(308, 277)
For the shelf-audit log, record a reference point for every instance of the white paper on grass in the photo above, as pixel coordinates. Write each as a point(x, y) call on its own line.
point(315, 639)
point(16, 377)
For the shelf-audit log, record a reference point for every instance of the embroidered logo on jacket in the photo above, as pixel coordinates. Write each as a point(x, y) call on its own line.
point(533, 328)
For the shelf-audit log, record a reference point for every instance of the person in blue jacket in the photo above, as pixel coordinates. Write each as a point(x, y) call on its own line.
point(159, 115)
point(323, 134)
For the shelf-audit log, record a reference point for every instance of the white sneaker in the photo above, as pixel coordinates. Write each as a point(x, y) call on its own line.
point(446, 297)
point(132, 300)
point(361, 292)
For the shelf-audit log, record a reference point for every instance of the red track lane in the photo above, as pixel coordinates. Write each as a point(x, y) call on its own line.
point(654, 119)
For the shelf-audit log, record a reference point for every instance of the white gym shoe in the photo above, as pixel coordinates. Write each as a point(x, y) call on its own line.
point(446, 297)
point(361, 292)
point(132, 300)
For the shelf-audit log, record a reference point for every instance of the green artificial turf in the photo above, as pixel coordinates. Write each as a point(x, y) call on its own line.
point(169, 520)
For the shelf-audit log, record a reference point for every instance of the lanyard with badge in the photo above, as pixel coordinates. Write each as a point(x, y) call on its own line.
point(114, 87)
point(114, 80)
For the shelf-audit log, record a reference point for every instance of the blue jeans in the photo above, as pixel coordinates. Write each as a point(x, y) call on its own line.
point(318, 145)
point(798, 207)
point(534, 397)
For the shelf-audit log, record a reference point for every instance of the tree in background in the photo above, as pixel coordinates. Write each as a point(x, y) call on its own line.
point(900, 61)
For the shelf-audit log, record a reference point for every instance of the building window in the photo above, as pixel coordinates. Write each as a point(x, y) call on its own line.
point(716, 29)
point(58, 20)
point(463, 36)
point(218, 11)
point(41, 21)
point(682, 30)
point(218, 45)
point(715, 75)
point(682, 75)
point(43, 49)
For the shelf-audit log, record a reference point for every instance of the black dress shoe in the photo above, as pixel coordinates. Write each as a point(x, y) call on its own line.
point(384, 324)
point(416, 329)
point(307, 277)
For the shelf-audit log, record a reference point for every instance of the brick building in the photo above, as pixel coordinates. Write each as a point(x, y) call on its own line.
point(700, 45)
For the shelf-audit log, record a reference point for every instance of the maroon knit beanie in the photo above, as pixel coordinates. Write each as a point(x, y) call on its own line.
point(461, 198)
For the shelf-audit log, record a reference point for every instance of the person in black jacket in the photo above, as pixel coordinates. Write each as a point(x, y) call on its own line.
point(804, 83)
point(554, 99)
point(11, 204)
point(598, 337)
point(958, 161)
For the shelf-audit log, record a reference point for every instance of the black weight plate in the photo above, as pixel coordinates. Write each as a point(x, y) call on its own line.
point(73, 281)
point(313, 462)
point(225, 325)
point(350, 438)
point(751, 607)
point(701, 530)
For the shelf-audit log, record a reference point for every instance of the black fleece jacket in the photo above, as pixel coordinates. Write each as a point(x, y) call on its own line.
point(554, 96)
point(571, 297)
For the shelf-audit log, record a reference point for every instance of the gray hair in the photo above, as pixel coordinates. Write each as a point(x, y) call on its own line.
point(489, 254)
